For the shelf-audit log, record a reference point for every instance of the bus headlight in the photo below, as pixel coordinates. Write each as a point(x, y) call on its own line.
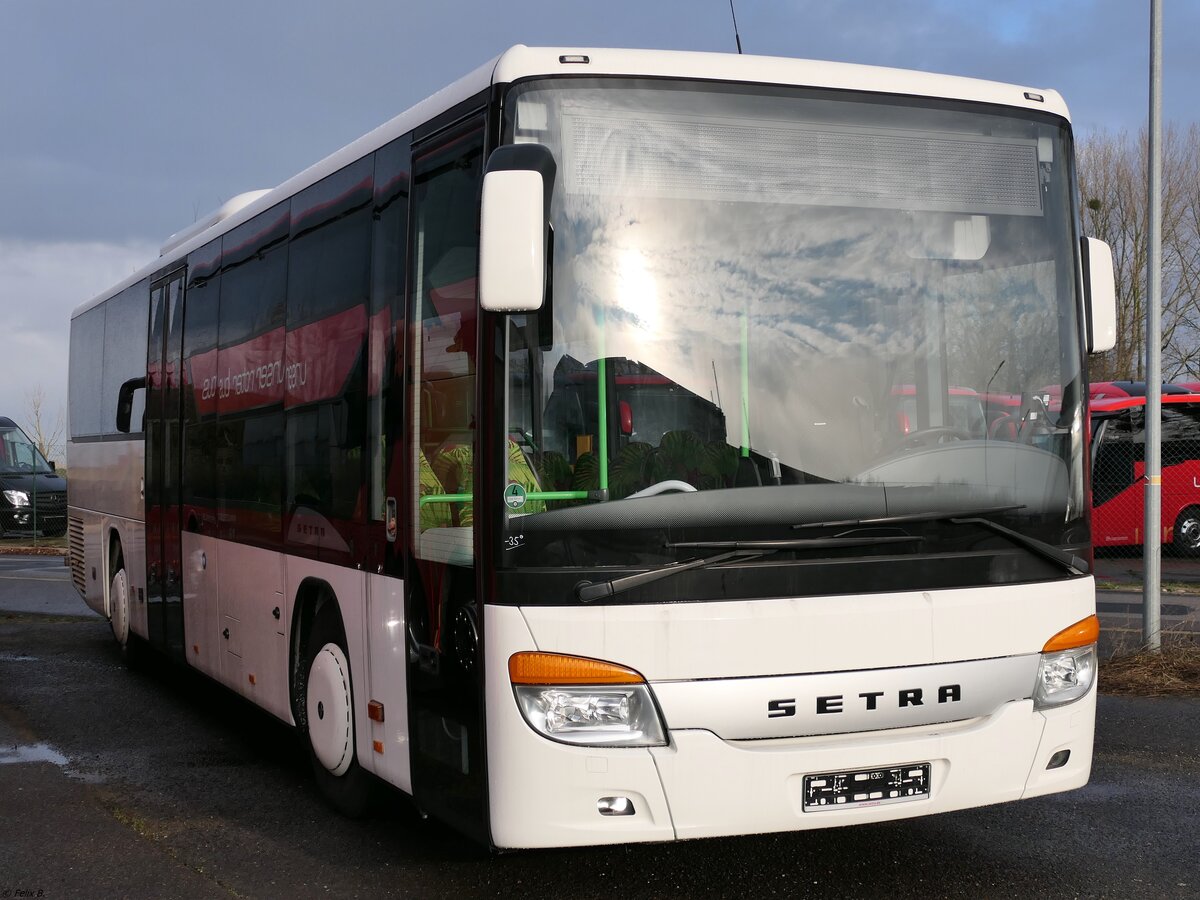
point(1067, 669)
point(1064, 677)
point(585, 701)
point(17, 498)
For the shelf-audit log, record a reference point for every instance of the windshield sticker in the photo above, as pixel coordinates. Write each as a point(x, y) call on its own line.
point(514, 495)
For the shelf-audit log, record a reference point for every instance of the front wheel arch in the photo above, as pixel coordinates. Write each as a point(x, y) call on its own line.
point(317, 624)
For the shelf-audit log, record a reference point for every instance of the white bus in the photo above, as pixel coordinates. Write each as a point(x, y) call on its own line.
point(577, 452)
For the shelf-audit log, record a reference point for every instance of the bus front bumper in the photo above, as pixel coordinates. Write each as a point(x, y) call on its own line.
point(548, 794)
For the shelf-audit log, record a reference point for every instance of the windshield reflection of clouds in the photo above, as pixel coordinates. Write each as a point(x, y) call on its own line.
point(827, 308)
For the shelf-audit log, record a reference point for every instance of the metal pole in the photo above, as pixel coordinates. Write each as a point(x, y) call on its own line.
point(1152, 547)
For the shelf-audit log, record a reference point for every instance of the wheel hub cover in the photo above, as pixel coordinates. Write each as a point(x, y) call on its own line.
point(119, 607)
point(330, 730)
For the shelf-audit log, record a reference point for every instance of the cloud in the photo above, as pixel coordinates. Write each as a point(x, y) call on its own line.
point(41, 282)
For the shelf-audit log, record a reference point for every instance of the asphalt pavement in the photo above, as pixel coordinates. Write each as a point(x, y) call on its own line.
point(38, 584)
point(158, 783)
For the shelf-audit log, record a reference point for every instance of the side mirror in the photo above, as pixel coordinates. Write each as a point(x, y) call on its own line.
point(514, 228)
point(125, 402)
point(1101, 291)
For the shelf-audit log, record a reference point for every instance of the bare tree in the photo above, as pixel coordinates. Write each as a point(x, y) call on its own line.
point(1112, 181)
point(46, 434)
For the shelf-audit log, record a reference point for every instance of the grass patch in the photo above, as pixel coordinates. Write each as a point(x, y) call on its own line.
point(1172, 672)
point(1135, 587)
point(31, 546)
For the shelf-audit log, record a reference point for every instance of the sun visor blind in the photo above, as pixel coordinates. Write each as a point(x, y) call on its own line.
point(801, 163)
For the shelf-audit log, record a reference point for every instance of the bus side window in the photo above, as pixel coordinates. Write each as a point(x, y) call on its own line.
point(1180, 435)
point(1116, 453)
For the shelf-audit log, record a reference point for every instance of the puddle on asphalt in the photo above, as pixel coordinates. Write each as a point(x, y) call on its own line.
point(31, 753)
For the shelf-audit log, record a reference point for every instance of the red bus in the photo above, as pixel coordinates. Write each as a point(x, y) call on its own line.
point(1119, 465)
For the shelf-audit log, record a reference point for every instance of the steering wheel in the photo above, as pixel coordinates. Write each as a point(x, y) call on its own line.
point(931, 437)
point(661, 488)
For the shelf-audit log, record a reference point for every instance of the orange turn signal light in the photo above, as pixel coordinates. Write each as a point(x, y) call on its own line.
point(553, 668)
point(1084, 632)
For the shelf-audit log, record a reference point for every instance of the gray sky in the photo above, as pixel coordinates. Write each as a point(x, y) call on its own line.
point(123, 121)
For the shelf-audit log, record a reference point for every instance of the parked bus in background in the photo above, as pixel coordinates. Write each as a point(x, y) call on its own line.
point(1119, 465)
point(1106, 390)
point(537, 452)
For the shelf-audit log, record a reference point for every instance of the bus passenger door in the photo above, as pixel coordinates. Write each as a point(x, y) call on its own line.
point(164, 565)
point(444, 686)
point(1117, 464)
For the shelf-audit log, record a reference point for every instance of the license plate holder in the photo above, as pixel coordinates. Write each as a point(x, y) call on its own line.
point(866, 787)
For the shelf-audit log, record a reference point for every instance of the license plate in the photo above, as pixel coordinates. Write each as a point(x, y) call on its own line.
point(866, 787)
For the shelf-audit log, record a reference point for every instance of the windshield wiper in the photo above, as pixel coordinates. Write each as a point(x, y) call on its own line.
point(1073, 564)
point(587, 591)
point(935, 516)
point(1069, 561)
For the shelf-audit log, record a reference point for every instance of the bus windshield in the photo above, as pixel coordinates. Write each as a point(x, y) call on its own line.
point(777, 309)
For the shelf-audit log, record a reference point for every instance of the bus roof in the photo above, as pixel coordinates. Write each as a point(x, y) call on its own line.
point(1116, 404)
point(520, 62)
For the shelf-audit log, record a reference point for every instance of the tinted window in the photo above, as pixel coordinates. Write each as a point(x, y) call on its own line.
point(254, 276)
point(204, 286)
point(1180, 434)
point(325, 471)
point(329, 265)
point(249, 453)
point(329, 279)
point(87, 354)
point(201, 309)
point(125, 318)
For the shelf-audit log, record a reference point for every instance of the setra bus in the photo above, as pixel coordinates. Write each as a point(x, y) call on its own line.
point(1119, 470)
point(536, 453)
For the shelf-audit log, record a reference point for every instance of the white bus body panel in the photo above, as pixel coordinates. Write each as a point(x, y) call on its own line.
point(230, 586)
point(387, 670)
point(105, 493)
point(201, 633)
point(741, 639)
point(544, 793)
point(526, 62)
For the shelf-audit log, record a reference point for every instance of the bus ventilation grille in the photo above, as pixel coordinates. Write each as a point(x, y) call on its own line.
point(75, 533)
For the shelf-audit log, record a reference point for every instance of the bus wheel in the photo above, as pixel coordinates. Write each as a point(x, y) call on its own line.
point(118, 610)
point(328, 725)
point(1187, 532)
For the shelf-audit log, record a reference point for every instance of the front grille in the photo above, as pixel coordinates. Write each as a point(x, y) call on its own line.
point(75, 540)
point(50, 503)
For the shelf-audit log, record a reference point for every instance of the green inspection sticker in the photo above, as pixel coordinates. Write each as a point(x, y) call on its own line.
point(514, 496)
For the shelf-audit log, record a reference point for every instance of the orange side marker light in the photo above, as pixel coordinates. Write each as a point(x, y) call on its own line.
point(1084, 632)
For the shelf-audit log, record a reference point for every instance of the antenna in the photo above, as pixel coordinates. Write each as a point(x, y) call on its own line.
point(737, 37)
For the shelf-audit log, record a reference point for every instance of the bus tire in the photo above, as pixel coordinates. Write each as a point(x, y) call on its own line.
point(327, 721)
point(1186, 535)
point(118, 614)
